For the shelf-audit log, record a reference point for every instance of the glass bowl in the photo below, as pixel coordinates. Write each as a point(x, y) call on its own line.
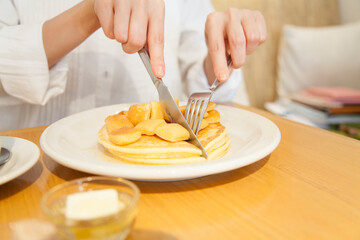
point(114, 226)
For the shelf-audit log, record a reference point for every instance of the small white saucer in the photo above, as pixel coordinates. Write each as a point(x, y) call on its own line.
point(24, 155)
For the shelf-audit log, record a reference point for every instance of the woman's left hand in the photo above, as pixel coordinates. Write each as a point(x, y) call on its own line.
point(237, 32)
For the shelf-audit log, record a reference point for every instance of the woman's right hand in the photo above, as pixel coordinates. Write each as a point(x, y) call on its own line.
point(135, 23)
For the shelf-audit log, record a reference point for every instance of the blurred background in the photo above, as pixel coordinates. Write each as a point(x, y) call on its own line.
point(310, 43)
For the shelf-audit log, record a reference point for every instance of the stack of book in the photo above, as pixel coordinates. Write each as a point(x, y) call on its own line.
point(320, 106)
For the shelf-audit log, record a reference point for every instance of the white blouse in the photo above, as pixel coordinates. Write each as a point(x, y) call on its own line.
point(97, 72)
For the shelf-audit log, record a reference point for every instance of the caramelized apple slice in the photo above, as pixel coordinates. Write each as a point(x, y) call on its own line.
point(157, 111)
point(213, 117)
point(114, 122)
point(138, 113)
point(176, 101)
point(125, 113)
point(211, 106)
point(204, 123)
point(148, 127)
point(172, 132)
point(166, 117)
point(125, 135)
point(182, 109)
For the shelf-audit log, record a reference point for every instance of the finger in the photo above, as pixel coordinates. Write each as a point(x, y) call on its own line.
point(236, 38)
point(156, 39)
point(214, 33)
point(137, 27)
point(251, 31)
point(260, 20)
point(121, 20)
point(105, 12)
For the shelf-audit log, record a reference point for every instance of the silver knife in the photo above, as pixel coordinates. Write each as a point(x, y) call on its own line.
point(168, 103)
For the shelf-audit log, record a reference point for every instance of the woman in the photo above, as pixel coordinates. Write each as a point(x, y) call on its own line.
point(54, 60)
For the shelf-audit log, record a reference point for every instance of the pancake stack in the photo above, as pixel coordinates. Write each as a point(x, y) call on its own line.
point(143, 135)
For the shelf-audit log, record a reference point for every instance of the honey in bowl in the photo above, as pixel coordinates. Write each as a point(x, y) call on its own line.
point(93, 208)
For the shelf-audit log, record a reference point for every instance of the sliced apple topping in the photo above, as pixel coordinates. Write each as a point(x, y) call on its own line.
point(138, 113)
point(125, 135)
point(172, 132)
point(148, 127)
point(213, 117)
point(114, 122)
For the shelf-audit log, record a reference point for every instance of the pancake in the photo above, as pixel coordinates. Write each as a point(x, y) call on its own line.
point(220, 151)
point(148, 145)
point(155, 149)
point(210, 135)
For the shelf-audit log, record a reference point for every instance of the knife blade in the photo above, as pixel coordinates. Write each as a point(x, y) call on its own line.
point(168, 103)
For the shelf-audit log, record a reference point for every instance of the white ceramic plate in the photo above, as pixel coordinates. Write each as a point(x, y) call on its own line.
point(72, 142)
point(24, 155)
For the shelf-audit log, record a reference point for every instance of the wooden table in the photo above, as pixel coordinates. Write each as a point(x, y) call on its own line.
point(308, 188)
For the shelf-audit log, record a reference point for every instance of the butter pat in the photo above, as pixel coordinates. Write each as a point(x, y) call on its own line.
point(92, 204)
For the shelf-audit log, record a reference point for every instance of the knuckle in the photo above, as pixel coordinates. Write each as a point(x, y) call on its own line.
point(104, 4)
point(120, 37)
point(156, 7)
point(137, 42)
point(246, 12)
point(258, 14)
point(214, 46)
point(253, 37)
point(156, 39)
point(108, 33)
point(237, 63)
point(127, 48)
point(160, 3)
point(212, 19)
point(236, 40)
point(232, 13)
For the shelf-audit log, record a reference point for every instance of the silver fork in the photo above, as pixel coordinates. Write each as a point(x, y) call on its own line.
point(197, 104)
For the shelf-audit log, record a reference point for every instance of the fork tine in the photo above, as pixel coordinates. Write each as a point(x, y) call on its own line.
point(196, 114)
point(195, 111)
point(201, 115)
point(191, 117)
point(187, 110)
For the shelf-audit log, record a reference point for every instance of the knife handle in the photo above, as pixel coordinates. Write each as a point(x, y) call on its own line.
point(144, 55)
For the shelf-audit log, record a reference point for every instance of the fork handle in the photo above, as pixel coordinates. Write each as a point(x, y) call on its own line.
point(216, 83)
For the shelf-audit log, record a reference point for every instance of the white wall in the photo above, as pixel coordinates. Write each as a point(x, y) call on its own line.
point(349, 10)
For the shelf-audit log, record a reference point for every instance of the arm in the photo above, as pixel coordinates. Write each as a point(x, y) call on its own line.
point(133, 23)
point(24, 73)
point(28, 50)
point(66, 31)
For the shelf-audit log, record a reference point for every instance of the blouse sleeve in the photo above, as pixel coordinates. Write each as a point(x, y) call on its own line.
point(24, 72)
point(193, 50)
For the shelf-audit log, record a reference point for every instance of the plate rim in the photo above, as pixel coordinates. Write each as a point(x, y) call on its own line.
point(216, 166)
point(23, 168)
